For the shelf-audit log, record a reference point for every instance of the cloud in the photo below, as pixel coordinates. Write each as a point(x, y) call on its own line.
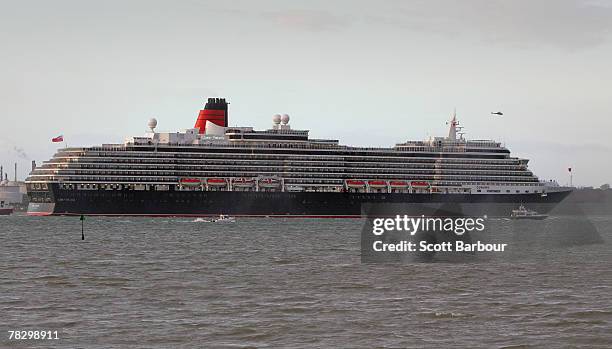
point(564, 24)
point(309, 20)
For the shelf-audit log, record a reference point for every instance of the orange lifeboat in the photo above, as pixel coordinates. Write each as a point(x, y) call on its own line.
point(243, 182)
point(398, 184)
point(216, 182)
point(269, 182)
point(190, 182)
point(377, 184)
point(419, 184)
point(355, 184)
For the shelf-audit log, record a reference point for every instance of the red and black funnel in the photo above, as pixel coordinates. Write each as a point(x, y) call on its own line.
point(214, 111)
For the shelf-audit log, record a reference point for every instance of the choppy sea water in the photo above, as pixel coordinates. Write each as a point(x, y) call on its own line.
point(293, 283)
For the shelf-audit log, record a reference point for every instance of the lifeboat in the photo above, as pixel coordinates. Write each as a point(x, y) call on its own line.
point(269, 182)
point(190, 182)
point(419, 184)
point(398, 184)
point(243, 182)
point(377, 184)
point(355, 184)
point(294, 188)
point(216, 182)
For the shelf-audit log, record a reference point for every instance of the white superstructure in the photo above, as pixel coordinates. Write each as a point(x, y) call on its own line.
point(284, 159)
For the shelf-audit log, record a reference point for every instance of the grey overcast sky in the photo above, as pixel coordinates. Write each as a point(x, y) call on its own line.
point(365, 72)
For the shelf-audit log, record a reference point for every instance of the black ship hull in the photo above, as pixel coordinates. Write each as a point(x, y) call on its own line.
point(286, 204)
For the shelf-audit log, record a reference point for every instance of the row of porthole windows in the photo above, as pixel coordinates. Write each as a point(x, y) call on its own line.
point(304, 175)
point(153, 157)
point(285, 159)
point(155, 169)
point(305, 171)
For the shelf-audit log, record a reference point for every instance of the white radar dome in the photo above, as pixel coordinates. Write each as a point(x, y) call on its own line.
point(285, 119)
point(276, 119)
point(152, 123)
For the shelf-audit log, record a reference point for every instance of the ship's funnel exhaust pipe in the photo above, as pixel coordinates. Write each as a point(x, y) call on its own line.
point(214, 111)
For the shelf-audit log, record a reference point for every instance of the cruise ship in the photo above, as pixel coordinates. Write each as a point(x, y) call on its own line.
point(213, 169)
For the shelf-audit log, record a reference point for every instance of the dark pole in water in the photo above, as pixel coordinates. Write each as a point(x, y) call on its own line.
point(82, 227)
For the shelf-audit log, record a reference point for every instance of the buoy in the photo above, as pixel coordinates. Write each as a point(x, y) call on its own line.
point(82, 227)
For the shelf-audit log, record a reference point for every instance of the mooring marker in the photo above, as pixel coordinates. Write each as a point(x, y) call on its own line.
point(82, 227)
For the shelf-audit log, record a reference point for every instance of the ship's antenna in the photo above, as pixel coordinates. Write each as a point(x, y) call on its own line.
point(452, 131)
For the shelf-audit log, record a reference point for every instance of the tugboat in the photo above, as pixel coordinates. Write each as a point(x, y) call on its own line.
point(524, 213)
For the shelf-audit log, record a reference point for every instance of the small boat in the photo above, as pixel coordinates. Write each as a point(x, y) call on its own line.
point(355, 184)
point(5, 209)
point(269, 182)
point(221, 219)
point(216, 182)
point(398, 184)
point(224, 219)
point(419, 184)
point(243, 182)
point(377, 184)
point(190, 182)
point(524, 213)
point(294, 188)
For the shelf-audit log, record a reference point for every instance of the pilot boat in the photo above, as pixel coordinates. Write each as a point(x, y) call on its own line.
point(523, 213)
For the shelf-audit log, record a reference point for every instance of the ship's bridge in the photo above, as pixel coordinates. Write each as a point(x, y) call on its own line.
point(454, 142)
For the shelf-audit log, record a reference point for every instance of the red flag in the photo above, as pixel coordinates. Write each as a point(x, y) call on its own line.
point(57, 139)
